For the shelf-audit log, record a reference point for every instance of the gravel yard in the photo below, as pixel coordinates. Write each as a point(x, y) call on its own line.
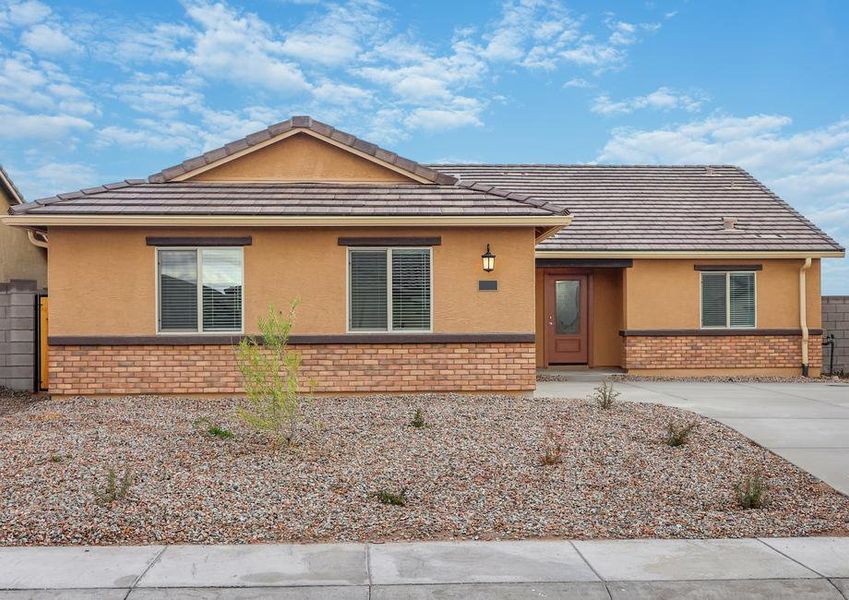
point(473, 472)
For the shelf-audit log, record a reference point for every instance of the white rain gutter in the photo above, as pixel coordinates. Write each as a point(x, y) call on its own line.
point(803, 312)
point(41, 243)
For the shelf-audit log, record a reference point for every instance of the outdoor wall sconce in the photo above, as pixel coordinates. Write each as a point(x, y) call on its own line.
point(488, 260)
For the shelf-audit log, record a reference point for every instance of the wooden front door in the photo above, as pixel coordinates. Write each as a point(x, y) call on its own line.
point(566, 331)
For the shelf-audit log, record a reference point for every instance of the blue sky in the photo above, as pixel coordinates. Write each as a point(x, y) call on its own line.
point(99, 91)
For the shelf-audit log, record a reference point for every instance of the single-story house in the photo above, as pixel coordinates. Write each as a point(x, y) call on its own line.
point(419, 277)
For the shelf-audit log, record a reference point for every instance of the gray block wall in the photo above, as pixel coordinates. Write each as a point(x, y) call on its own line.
point(835, 320)
point(17, 334)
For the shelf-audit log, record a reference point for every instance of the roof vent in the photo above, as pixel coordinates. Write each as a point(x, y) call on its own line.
point(729, 223)
point(710, 171)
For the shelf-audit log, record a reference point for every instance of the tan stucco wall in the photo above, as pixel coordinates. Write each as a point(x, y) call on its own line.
point(301, 157)
point(19, 258)
point(102, 280)
point(664, 294)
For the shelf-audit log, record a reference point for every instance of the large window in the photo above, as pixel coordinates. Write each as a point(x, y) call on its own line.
point(728, 299)
point(200, 290)
point(389, 289)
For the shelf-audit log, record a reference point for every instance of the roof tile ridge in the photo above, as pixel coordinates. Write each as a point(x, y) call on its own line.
point(810, 224)
point(82, 193)
point(302, 122)
point(515, 196)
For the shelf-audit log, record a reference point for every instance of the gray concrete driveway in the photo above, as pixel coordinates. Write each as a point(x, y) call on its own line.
point(806, 423)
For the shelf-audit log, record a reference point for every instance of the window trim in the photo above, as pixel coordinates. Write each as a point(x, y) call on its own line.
point(199, 330)
point(388, 251)
point(727, 274)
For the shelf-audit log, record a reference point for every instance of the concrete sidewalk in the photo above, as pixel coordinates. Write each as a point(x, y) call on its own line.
point(806, 423)
point(774, 568)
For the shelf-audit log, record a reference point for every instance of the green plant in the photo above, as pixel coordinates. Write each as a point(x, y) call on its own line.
point(271, 374)
point(677, 435)
point(752, 492)
point(604, 395)
point(212, 429)
point(114, 488)
point(387, 497)
point(418, 419)
point(56, 458)
point(552, 449)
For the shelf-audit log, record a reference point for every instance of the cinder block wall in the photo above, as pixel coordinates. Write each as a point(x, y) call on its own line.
point(835, 320)
point(17, 334)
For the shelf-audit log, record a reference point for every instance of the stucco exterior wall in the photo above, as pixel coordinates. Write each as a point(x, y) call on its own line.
point(103, 280)
point(301, 157)
point(664, 294)
point(19, 259)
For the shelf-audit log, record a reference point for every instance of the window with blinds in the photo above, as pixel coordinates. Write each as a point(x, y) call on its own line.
point(389, 289)
point(200, 290)
point(728, 299)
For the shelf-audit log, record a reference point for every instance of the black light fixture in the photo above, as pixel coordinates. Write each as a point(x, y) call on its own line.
point(488, 260)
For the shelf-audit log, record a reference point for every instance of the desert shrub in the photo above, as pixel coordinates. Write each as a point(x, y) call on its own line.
point(392, 498)
point(210, 428)
point(752, 492)
point(271, 374)
point(604, 395)
point(114, 488)
point(552, 449)
point(677, 435)
point(418, 419)
point(56, 458)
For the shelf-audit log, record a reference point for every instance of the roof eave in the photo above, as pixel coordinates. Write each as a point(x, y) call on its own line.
point(35, 220)
point(648, 254)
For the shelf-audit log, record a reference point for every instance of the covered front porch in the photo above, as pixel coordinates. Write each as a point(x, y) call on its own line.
point(580, 312)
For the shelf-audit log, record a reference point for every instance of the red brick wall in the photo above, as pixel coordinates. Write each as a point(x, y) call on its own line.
point(336, 368)
point(720, 352)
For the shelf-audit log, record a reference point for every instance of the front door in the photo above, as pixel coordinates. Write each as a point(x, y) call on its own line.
point(566, 336)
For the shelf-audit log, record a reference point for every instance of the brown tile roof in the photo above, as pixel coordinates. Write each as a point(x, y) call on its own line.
point(680, 208)
point(137, 197)
point(302, 122)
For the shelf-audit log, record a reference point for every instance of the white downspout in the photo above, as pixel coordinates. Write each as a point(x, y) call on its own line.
point(803, 313)
point(35, 241)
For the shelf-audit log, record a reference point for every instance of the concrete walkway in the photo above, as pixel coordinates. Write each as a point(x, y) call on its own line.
point(774, 568)
point(806, 423)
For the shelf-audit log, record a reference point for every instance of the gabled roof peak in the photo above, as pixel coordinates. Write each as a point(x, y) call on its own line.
point(291, 126)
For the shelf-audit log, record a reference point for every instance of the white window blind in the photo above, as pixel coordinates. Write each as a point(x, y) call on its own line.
point(714, 302)
point(742, 292)
point(728, 299)
point(200, 290)
point(389, 289)
point(411, 289)
point(369, 297)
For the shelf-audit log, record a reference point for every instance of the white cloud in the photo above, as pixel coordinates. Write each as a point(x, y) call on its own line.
point(48, 39)
point(18, 125)
point(40, 85)
point(23, 14)
point(663, 98)
point(579, 83)
point(808, 168)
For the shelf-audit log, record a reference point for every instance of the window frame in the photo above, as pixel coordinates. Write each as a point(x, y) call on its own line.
point(389, 296)
point(727, 275)
point(199, 258)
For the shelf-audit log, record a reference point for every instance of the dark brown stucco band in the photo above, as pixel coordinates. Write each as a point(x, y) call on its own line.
point(199, 241)
point(728, 267)
point(712, 332)
point(390, 241)
point(586, 263)
point(354, 338)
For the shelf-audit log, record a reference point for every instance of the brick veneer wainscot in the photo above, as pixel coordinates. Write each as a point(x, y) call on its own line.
point(336, 368)
point(720, 352)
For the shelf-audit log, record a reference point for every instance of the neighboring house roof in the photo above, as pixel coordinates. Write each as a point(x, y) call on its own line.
point(9, 187)
point(301, 124)
point(137, 197)
point(656, 208)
